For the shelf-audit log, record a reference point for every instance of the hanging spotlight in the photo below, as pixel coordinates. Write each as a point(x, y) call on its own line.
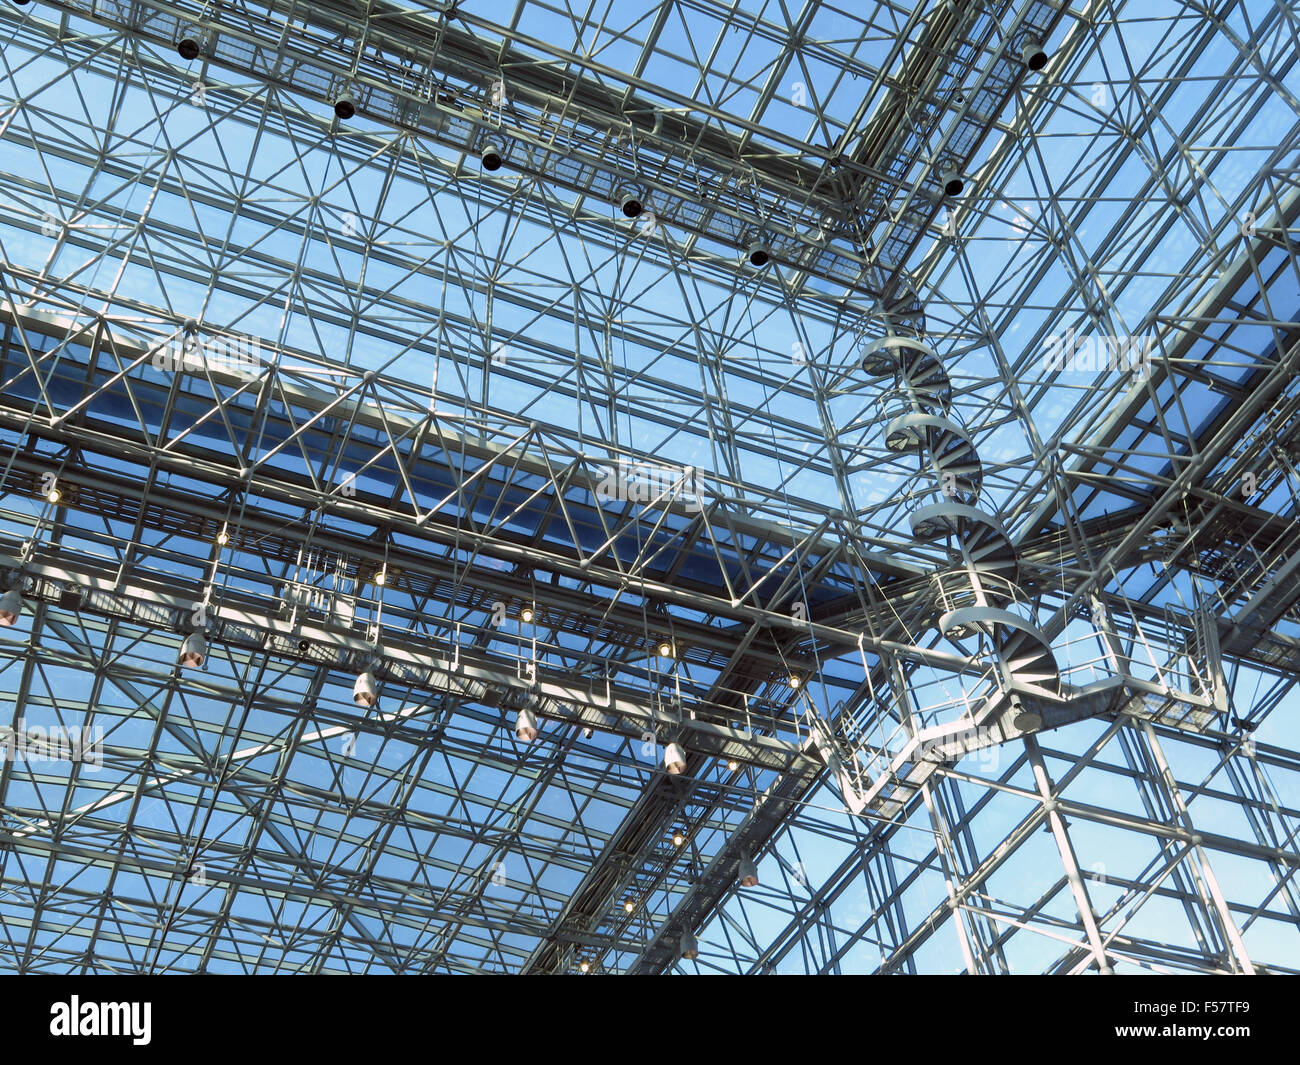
point(223, 538)
point(194, 650)
point(732, 764)
point(526, 725)
point(1031, 51)
point(952, 183)
point(679, 837)
point(758, 253)
point(1024, 718)
point(665, 649)
point(796, 681)
point(188, 45)
point(584, 966)
point(631, 199)
point(381, 576)
point(688, 946)
point(365, 692)
point(53, 495)
point(629, 906)
point(674, 759)
point(491, 156)
point(1028, 720)
point(526, 615)
point(11, 606)
point(748, 873)
point(346, 105)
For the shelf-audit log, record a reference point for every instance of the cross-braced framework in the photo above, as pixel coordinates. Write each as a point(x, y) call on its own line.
point(730, 487)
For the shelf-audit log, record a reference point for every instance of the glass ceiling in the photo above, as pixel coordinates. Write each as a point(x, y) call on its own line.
point(444, 363)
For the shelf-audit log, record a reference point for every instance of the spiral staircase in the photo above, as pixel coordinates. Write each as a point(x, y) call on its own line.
point(981, 607)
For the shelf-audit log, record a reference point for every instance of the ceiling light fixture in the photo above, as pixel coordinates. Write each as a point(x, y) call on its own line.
point(194, 651)
point(188, 45)
point(365, 692)
point(526, 725)
point(1031, 51)
point(345, 106)
point(748, 873)
point(631, 199)
point(11, 607)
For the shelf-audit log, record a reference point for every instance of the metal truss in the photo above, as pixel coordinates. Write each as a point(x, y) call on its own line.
point(540, 491)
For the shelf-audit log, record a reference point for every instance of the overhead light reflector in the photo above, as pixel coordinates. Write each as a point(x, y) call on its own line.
point(11, 606)
point(526, 725)
point(194, 651)
point(365, 692)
